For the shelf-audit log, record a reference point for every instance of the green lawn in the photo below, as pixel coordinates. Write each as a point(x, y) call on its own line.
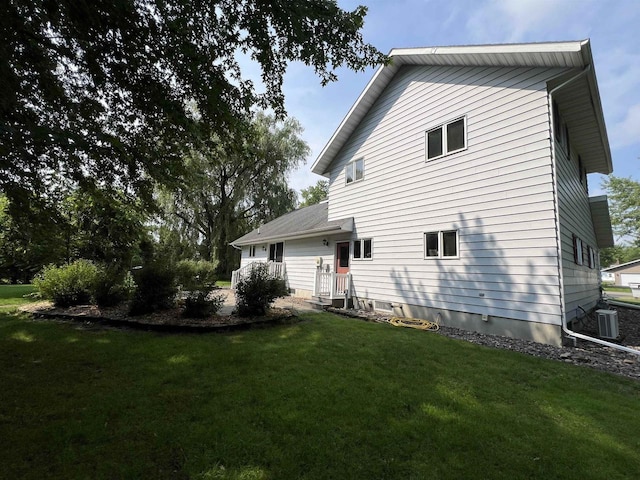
point(613, 288)
point(12, 296)
point(327, 398)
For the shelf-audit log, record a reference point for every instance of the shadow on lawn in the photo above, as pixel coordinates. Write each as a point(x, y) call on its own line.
point(329, 398)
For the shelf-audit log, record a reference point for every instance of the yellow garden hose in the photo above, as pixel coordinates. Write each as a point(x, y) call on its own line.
point(414, 323)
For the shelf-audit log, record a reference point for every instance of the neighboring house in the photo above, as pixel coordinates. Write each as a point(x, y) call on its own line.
point(458, 192)
point(624, 274)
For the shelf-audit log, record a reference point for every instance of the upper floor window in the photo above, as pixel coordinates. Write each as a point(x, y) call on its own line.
point(354, 171)
point(362, 249)
point(441, 244)
point(447, 138)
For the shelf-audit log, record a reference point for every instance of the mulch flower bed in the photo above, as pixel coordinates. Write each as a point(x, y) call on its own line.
point(166, 320)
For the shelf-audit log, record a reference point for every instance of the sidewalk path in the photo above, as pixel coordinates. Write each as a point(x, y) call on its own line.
point(290, 302)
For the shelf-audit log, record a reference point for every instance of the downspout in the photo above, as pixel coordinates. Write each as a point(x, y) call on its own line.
point(563, 314)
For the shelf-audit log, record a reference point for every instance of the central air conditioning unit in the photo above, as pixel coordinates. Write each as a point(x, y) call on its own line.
point(607, 323)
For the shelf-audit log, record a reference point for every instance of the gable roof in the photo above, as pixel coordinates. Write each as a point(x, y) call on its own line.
point(582, 104)
point(622, 266)
point(311, 221)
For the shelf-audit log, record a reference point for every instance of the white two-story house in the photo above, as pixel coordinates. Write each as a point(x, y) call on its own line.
point(458, 193)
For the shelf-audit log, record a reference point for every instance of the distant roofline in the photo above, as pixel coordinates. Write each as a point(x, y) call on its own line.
point(615, 267)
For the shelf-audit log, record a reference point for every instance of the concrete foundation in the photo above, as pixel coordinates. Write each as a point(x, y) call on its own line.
point(509, 327)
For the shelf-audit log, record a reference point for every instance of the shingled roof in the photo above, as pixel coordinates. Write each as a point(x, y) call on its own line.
point(305, 222)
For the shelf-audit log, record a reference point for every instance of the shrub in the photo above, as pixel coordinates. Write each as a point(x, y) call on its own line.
point(195, 274)
point(155, 289)
point(202, 304)
point(71, 284)
point(255, 293)
point(112, 286)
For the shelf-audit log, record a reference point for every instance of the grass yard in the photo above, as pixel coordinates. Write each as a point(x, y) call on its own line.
point(12, 296)
point(327, 398)
point(613, 288)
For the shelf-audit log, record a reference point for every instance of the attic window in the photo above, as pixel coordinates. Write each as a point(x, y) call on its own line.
point(448, 138)
point(354, 171)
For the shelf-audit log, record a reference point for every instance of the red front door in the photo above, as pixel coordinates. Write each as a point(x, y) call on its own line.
point(342, 257)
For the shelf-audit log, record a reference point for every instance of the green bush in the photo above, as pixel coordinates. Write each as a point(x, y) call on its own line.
point(202, 304)
point(155, 289)
point(255, 293)
point(68, 285)
point(195, 274)
point(112, 286)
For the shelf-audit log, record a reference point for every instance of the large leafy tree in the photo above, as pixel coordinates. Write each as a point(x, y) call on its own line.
point(111, 94)
point(315, 193)
point(624, 206)
point(234, 185)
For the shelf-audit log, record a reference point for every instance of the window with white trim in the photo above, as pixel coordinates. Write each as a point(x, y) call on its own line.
point(577, 251)
point(363, 249)
point(441, 244)
point(354, 171)
point(447, 138)
point(252, 250)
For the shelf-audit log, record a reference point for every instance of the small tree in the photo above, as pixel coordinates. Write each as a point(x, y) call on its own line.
point(315, 193)
point(255, 293)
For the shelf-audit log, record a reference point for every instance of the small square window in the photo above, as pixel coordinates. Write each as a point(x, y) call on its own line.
point(442, 244)
point(354, 171)
point(362, 248)
point(448, 138)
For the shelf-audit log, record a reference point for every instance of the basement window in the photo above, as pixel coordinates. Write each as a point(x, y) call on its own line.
point(448, 138)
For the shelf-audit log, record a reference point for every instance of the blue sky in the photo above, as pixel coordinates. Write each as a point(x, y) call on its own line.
point(613, 27)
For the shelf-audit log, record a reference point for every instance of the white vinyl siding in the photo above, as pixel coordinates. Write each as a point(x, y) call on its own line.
point(581, 281)
point(497, 193)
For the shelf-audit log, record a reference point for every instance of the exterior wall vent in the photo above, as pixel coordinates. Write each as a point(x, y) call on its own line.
point(383, 306)
point(607, 323)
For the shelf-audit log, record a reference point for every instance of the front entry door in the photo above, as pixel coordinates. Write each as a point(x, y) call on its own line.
point(342, 257)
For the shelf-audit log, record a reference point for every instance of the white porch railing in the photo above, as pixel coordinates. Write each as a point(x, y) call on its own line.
point(277, 269)
point(332, 285)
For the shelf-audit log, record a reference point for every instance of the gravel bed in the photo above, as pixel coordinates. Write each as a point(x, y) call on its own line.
point(584, 353)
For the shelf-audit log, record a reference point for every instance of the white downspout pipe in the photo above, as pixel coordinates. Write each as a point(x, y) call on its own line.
point(563, 314)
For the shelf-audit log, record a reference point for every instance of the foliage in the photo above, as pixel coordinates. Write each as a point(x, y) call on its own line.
point(68, 285)
point(104, 227)
point(256, 292)
point(315, 193)
point(195, 274)
point(325, 398)
point(235, 184)
point(101, 228)
point(29, 240)
point(618, 254)
point(112, 94)
point(624, 206)
point(202, 303)
point(155, 288)
point(112, 286)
